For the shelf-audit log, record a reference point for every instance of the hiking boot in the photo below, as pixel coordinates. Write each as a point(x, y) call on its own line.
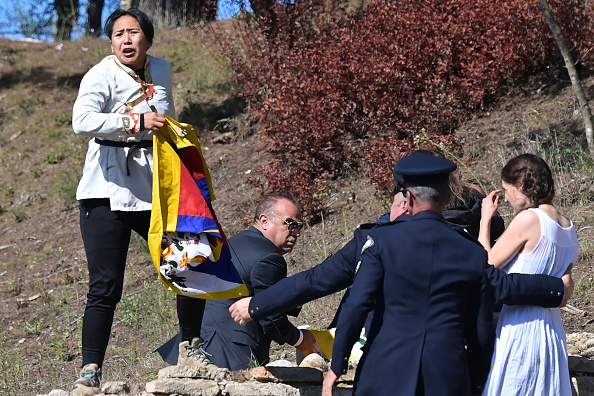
point(193, 354)
point(89, 380)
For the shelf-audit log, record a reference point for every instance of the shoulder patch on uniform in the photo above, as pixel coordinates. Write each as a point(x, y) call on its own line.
point(368, 243)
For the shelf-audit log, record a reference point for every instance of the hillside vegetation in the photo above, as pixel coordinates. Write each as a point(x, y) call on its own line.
point(43, 275)
point(339, 92)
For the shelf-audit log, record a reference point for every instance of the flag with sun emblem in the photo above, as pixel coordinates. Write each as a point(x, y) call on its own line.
point(187, 243)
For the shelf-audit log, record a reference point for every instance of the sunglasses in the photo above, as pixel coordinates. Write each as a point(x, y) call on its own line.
point(293, 225)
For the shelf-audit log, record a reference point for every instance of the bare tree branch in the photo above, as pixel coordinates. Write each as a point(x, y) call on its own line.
point(573, 75)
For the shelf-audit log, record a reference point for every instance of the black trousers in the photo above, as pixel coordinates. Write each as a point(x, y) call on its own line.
point(106, 236)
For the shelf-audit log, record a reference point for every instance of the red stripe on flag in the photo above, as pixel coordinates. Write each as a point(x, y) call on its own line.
point(191, 198)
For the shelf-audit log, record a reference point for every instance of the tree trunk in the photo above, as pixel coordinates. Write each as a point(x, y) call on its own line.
point(570, 64)
point(266, 16)
point(94, 17)
point(67, 11)
point(203, 10)
point(193, 11)
point(127, 4)
point(187, 12)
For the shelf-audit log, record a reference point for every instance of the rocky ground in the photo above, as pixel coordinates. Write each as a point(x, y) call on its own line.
point(281, 378)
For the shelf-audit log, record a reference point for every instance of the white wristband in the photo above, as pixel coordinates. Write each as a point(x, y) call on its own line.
point(300, 340)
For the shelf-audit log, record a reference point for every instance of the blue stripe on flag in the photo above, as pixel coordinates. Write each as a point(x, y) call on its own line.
point(197, 225)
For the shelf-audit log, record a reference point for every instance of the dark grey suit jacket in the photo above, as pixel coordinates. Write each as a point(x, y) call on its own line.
point(261, 265)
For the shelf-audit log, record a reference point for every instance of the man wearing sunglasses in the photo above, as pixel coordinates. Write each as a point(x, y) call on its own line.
point(257, 254)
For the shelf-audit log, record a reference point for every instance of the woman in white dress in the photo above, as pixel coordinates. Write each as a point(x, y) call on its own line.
point(531, 350)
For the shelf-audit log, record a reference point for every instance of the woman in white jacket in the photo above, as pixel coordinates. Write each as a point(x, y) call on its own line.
point(121, 103)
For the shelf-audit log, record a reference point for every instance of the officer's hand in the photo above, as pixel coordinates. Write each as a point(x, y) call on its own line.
point(490, 205)
point(153, 121)
point(329, 382)
point(308, 341)
point(568, 281)
point(240, 311)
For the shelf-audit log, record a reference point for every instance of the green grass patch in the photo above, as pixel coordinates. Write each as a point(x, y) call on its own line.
point(584, 285)
point(63, 119)
point(54, 133)
point(59, 346)
point(54, 157)
point(139, 245)
point(12, 368)
point(37, 172)
point(65, 184)
point(34, 327)
point(19, 215)
point(9, 191)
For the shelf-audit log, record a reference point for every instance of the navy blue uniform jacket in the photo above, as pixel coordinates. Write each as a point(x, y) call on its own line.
point(432, 322)
point(260, 264)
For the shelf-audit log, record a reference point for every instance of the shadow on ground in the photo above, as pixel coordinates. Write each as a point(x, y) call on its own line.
point(204, 116)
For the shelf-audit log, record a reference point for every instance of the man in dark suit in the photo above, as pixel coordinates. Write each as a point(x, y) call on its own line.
point(257, 254)
point(432, 300)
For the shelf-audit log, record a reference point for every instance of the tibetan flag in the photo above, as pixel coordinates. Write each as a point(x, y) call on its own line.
point(186, 241)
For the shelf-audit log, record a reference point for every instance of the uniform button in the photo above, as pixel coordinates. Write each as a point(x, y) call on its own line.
point(251, 311)
point(552, 293)
point(559, 294)
point(258, 309)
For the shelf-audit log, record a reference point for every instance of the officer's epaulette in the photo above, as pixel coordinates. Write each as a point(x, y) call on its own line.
point(367, 226)
point(466, 235)
point(400, 219)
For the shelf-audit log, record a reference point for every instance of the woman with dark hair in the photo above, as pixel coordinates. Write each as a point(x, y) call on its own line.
point(464, 210)
point(531, 350)
point(121, 103)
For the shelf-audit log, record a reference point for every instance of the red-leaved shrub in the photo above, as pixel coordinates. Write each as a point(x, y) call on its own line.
point(335, 91)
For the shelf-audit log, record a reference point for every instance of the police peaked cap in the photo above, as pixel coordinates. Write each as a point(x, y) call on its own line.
point(420, 169)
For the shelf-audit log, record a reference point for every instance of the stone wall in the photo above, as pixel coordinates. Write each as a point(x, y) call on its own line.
point(298, 381)
point(580, 347)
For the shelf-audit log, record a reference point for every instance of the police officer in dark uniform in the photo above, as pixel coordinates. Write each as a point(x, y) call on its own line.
point(431, 291)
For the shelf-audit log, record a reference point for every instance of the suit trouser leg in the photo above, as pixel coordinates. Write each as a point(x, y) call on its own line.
point(189, 313)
